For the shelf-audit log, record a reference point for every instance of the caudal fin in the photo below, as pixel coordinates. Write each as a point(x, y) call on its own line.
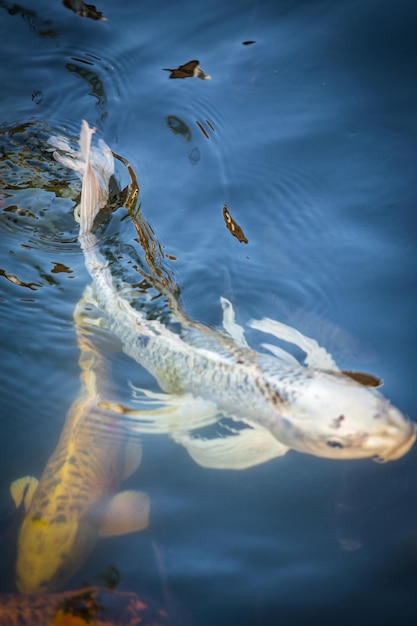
point(99, 166)
point(91, 194)
point(95, 166)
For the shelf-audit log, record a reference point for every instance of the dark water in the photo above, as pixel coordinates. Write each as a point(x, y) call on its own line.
point(308, 134)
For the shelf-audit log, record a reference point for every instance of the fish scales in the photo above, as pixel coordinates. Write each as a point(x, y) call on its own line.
point(229, 378)
point(85, 463)
point(68, 508)
point(298, 406)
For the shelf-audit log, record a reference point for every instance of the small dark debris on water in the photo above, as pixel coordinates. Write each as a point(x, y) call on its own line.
point(60, 268)
point(191, 69)
point(232, 226)
point(203, 130)
point(84, 10)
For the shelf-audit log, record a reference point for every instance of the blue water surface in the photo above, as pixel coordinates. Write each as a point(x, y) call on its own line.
point(307, 132)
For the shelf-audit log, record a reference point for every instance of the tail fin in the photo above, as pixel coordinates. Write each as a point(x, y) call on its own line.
point(91, 194)
point(95, 166)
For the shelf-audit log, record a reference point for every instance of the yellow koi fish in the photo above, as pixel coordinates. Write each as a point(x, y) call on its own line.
point(74, 503)
point(92, 606)
point(315, 409)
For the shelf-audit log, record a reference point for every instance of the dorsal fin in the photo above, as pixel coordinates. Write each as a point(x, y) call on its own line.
point(365, 379)
point(316, 355)
point(230, 325)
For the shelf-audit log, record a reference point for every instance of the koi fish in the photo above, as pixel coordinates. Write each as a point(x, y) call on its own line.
point(311, 407)
point(73, 504)
point(94, 606)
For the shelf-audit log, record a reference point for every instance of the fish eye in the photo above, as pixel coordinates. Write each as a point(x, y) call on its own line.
point(334, 443)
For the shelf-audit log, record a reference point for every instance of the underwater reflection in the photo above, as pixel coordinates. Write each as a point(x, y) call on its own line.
point(179, 127)
point(16, 281)
point(191, 69)
point(97, 89)
point(35, 207)
point(41, 27)
point(26, 163)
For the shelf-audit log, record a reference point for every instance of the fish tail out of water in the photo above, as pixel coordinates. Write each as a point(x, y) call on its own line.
point(90, 190)
point(95, 166)
point(94, 193)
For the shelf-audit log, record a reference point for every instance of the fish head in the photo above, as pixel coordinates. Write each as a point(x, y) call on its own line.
point(50, 552)
point(328, 414)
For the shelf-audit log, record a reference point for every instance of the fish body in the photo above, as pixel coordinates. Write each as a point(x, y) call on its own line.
point(94, 606)
point(74, 501)
point(324, 413)
point(315, 409)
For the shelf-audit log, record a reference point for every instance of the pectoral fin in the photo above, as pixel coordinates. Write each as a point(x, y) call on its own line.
point(126, 512)
point(22, 491)
point(133, 458)
point(175, 412)
point(249, 447)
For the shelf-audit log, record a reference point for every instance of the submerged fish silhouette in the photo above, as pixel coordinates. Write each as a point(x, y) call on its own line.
point(74, 502)
point(315, 409)
point(93, 606)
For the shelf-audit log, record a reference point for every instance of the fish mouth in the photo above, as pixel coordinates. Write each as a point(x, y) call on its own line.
point(401, 448)
point(364, 446)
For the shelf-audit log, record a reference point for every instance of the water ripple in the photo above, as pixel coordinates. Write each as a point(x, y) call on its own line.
point(37, 194)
